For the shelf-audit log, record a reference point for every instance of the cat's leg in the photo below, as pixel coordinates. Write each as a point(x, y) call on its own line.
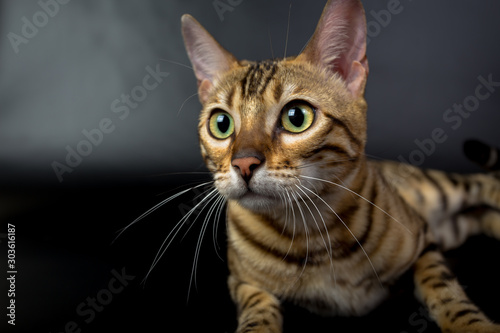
point(446, 300)
point(258, 310)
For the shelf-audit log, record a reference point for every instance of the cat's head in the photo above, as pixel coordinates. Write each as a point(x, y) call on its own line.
point(265, 125)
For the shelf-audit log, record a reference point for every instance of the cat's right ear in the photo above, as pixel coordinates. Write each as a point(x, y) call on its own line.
point(339, 43)
point(208, 58)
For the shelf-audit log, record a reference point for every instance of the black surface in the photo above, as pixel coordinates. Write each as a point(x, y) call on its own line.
point(65, 256)
point(427, 59)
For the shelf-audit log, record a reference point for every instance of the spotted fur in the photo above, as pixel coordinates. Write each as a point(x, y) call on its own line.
point(310, 219)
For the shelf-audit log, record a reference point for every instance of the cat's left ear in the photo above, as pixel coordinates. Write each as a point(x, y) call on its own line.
point(339, 43)
point(208, 58)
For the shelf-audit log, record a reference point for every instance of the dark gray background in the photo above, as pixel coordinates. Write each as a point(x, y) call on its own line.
point(65, 78)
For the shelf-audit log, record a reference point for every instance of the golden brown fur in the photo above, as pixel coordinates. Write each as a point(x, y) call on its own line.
point(317, 223)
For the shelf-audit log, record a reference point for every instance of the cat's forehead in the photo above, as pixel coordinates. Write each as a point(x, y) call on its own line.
point(256, 77)
point(262, 82)
point(249, 87)
point(255, 86)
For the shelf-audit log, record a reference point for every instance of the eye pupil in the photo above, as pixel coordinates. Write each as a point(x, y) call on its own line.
point(223, 123)
point(296, 116)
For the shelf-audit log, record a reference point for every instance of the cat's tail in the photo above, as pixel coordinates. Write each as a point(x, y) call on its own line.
point(486, 156)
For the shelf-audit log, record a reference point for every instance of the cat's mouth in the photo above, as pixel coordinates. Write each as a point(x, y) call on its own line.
point(256, 198)
point(253, 194)
point(262, 190)
point(255, 201)
point(247, 193)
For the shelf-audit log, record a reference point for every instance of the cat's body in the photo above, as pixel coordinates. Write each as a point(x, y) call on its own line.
point(352, 274)
point(310, 219)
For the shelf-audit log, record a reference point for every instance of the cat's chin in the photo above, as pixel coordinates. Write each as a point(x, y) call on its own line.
point(257, 202)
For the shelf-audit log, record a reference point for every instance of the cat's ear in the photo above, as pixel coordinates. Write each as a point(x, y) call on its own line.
point(339, 43)
point(208, 58)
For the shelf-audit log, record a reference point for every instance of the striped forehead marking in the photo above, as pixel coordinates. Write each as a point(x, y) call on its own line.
point(257, 78)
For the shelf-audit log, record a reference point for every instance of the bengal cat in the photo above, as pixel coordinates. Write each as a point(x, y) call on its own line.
point(309, 218)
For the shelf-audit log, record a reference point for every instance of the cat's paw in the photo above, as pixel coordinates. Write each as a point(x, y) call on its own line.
point(259, 329)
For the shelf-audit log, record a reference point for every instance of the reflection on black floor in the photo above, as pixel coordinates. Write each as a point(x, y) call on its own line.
point(73, 276)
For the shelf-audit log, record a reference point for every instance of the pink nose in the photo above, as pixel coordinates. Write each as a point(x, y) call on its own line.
point(246, 165)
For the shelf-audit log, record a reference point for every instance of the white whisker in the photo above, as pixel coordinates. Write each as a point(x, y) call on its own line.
point(270, 43)
point(218, 214)
point(204, 226)
point(194, 199)
point(173, 233)
point(352, 234)
point(362, 197)
point(178, 63)
point(182, 105)
point(294, 224)
point(287, 30)
point(315, 221)
point(158, 205)
point(308, 165)
point(285, 204)
point(328, 249)
point(306, 230)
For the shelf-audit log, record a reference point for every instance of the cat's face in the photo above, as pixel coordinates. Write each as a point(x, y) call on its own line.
point(266, 124)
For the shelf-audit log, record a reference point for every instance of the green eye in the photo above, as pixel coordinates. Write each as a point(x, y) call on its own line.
point(297, 116)
point(221, 125)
